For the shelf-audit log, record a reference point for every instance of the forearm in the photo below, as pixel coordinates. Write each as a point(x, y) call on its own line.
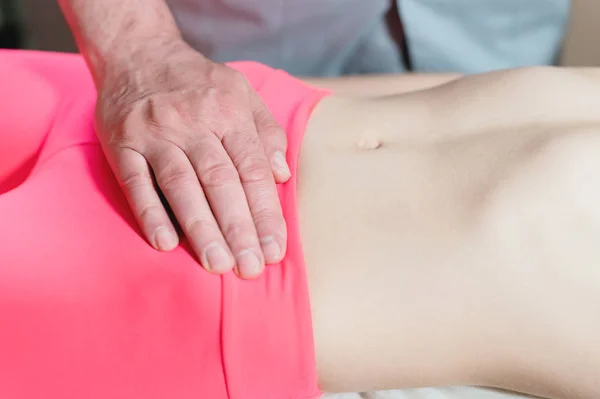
point(381, 85)
point(112, 31)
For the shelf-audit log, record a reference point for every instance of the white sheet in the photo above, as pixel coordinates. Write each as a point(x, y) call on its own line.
point(432, 393)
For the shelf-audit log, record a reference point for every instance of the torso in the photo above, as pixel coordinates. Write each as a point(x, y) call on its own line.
point(409, 234)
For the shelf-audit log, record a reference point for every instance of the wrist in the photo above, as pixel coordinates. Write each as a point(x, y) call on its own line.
point(111, 33)
point(134, 54)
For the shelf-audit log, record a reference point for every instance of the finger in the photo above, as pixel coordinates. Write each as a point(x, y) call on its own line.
point(228, 202)
point(273, 139)
point(246, 152)
point(180, 186)
point(134, 175)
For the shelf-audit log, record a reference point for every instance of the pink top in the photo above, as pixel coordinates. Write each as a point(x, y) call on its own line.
point(87, 308)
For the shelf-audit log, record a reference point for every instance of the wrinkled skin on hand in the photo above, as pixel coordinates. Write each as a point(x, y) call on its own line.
point(171, 121)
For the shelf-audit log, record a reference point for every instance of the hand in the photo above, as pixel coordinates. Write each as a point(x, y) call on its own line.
point(170, 119)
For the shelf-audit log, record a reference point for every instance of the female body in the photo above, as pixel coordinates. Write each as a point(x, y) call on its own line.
point(449, 237)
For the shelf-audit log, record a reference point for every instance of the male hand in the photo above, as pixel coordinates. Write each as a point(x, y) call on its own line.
point(171, 120)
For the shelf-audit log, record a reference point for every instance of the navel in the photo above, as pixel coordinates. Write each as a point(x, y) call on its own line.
point(368, 143)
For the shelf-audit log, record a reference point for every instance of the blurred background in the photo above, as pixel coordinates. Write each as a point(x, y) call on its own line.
point(465, 36)
point(36, 24)
point(431, 35)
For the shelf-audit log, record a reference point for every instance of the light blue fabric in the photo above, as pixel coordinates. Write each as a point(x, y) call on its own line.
point(480, 35)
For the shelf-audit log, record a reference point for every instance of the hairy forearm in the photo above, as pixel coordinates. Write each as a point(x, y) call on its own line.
point(110, 32)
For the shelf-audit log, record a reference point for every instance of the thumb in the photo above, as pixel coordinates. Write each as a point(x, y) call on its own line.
point(272, 137)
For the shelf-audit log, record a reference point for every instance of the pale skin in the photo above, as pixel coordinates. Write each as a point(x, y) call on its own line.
point(463, 249)
point(171, 120)
point(361, 86)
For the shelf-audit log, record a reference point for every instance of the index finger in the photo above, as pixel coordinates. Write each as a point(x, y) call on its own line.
point(273, 138)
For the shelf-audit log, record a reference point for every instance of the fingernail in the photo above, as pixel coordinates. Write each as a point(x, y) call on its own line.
point(248, 263)
point(271, 249)
point(165, 240)
point(280, 164)
point(216, 258)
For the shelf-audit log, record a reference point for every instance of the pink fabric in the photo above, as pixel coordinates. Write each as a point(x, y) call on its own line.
point(87, 308)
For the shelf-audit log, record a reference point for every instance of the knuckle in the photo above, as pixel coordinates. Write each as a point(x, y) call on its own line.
point(178, 113)
point(135, 180)
point(124, 130)
point(157, 113)
point(268, 125)
point(213, 168)
point(175, 179)
point(234, 113)
point(147, 212)
point(265, 120)
point(218, 174)
point(119, 122)
point(254, 169)
point(207, 99)
point(117, 127)
point(225, 109)
point(238, 229)
point(267, 220)
point(210, 93)
point(262, 200)
point(200, 227)
point(217, 109)
point(272, 135)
